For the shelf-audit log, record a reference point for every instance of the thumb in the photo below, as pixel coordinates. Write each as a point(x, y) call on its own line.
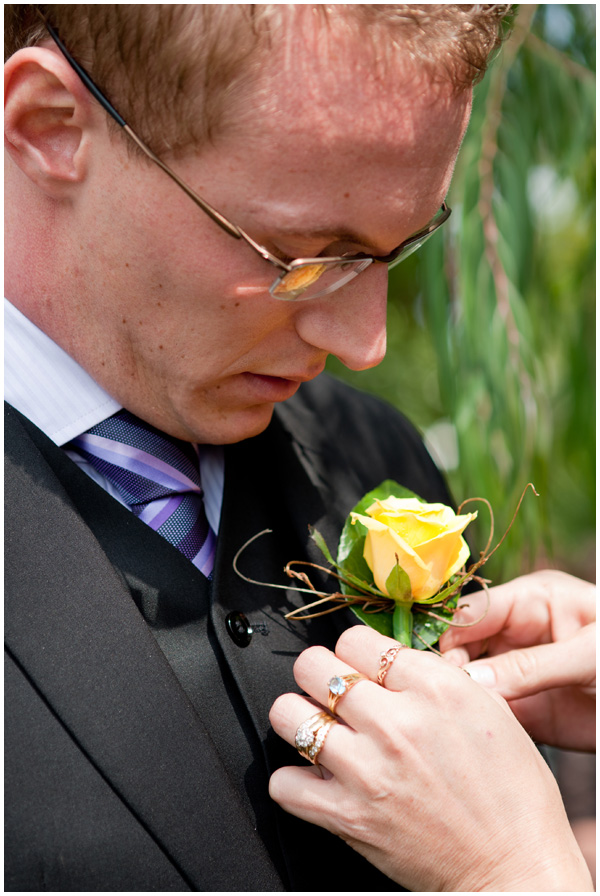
point(519, 673)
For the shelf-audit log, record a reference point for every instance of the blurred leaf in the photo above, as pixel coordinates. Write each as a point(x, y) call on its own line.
point(498, 336)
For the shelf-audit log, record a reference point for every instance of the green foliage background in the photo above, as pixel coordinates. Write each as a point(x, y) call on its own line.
point(492, 324)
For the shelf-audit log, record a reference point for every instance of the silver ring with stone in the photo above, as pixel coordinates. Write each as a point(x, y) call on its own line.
point(340, 685)
point(311, 735)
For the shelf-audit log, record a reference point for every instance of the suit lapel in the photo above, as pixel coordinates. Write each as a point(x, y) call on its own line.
point(278, 481)
point(272, 483)
point(71, 624)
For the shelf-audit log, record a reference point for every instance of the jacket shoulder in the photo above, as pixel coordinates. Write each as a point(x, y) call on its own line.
point(364, 432)
point(338, 405)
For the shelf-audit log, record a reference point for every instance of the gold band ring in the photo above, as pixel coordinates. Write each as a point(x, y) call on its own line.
point(311, 735)
point(387, 658)
point(340, 685)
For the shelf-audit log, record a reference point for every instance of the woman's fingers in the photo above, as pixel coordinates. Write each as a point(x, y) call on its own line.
point(419, 674)
point(395, 667)
point(336, 741)
point(416, 766)
point(480, 616)
point(303, 792)
point(532, 609)
point(338, 686)
point(519, 673)
point(364, 648)
point(460, 656)
point(380, 717)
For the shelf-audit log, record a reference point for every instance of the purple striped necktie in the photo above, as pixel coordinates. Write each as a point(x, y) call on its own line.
point(158, 477)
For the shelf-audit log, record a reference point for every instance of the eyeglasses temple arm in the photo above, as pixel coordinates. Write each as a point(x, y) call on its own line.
point(108, 107)
point(210, 211)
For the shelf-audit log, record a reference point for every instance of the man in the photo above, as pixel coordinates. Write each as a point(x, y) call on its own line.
point(138, 683)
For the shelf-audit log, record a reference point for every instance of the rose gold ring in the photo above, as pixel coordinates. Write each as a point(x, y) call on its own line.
point(340, 685)
point(311, 735)
point(387, 658)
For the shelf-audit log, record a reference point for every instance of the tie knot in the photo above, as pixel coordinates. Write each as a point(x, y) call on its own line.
point(157, 476)
point(143, 462)
point(128, 429)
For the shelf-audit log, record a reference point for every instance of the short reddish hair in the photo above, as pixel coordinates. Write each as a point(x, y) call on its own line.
point(159, 64)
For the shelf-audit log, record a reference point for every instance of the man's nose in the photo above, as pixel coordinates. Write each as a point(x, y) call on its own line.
point(349, 323)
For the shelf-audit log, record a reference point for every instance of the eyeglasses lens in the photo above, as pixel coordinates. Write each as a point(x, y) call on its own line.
point(297, 281)
point(309, 281)
point(410, 249)
point(312, 280)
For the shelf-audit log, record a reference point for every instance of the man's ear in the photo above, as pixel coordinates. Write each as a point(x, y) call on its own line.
point(48, 114)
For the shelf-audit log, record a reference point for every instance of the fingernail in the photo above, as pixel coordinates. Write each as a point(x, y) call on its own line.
point(483, 675)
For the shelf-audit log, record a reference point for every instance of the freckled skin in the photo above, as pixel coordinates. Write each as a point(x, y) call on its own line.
point(210, 363)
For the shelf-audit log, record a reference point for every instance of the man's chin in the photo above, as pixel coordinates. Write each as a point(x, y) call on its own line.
point(233, 427)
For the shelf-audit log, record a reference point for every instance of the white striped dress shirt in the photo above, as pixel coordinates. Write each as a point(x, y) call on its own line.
point(53, 391)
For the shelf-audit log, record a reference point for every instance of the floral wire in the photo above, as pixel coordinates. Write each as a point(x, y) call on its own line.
point(310, 590)
point(381, 603)
point(489, 507)
point(363, 586)
point(299, 575)
point(427, 645)
point(325, 597)
point(510, 525)
point(292, 573)
point(293, 614)
point(343, 600)
point(484, 556)
point(370, 605)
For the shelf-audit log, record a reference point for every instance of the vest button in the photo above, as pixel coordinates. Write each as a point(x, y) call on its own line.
point(238, 628)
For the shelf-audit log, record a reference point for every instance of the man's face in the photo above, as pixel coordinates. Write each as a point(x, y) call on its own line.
point(177, 322)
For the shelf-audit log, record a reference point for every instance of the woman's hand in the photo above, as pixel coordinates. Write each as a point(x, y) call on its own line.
point(430, 776)
point(539, 638)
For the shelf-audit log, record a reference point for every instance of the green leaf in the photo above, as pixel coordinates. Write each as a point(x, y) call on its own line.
point(355, 568)
point(398, 585)
point(381, 622)
point(322, 545)
point(355, 564)
point(431, 630)
point(455, 582)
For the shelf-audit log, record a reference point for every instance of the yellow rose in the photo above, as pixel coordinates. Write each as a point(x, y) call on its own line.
point(426, 538)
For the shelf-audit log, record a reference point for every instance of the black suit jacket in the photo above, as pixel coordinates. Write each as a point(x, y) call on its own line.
point(137, 742)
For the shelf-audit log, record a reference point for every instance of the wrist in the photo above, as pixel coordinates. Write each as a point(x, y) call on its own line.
point(558, 868)
point(561, 876)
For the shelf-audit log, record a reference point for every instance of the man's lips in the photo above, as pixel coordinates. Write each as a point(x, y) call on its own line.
point(276, 388)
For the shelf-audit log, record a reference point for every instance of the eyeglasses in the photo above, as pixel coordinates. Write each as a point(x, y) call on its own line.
point(299, 279)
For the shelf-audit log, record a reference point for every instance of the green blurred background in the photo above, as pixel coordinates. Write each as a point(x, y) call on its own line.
point(492, 324)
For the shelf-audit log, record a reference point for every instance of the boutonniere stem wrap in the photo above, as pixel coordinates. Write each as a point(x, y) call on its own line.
point(401, 565)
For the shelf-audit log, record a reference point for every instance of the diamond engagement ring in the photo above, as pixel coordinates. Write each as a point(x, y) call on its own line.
point(387, 658)
point(311, 735)
point(340, 685)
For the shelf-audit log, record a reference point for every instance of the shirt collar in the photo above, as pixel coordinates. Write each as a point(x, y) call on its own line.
point(46, 385)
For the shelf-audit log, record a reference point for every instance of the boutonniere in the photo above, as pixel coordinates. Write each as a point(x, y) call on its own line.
point(401, 564)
